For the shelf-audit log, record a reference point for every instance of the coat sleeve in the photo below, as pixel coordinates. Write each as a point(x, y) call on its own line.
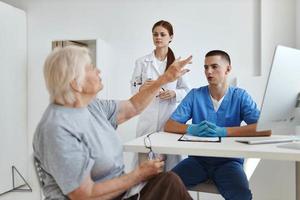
point(136, 79)
point(182, 88)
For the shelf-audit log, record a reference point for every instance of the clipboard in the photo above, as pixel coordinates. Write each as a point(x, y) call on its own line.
point(190, 138)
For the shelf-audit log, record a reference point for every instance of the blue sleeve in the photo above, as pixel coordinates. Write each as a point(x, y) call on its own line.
point(250, 112)
point(183, 112)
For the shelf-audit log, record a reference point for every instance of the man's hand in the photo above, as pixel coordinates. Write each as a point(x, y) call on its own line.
point(206, 129)
point(197, 129)
point(216, 130)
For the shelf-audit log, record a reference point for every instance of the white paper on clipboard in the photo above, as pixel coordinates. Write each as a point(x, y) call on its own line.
point(190, 138)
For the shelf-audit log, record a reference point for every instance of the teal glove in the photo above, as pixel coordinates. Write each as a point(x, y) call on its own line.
point(206, 129)
point(215, 130)
point(196, 129)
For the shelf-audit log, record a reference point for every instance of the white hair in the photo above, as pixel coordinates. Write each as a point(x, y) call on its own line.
point(62, 66)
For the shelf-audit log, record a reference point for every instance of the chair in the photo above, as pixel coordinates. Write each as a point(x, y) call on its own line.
point(40, 175)
point(250, 165)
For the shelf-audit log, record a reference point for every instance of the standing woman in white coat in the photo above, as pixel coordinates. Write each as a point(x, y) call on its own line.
point(147, 69)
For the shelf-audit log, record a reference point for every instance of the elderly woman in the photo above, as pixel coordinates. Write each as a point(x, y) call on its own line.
point(76, 143)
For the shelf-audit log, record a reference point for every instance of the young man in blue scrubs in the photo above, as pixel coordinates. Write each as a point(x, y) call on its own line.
point(216, 110)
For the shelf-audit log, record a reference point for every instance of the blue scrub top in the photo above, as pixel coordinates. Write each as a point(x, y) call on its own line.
point(237, 106)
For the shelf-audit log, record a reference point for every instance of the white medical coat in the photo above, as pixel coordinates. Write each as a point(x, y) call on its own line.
point(154, 117)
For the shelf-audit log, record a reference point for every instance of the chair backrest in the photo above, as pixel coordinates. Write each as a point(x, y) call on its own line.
point(39, 172)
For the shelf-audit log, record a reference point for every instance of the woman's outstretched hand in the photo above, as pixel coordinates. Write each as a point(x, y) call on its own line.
point(176, 69)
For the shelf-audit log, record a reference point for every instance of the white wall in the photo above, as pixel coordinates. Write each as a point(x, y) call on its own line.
point(278, 27)
point(298, 46)
point(278, 176)
point(246, 29)
point(13, 87)
point(298, 23)
point(126, 27)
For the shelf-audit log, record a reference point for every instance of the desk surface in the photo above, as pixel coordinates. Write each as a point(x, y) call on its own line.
point(167, 143)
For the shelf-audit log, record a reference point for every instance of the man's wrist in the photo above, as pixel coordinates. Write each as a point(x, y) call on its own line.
point(189, 128)
point(224, 132)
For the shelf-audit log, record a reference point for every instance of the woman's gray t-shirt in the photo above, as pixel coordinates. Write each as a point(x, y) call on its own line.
point(70, 143)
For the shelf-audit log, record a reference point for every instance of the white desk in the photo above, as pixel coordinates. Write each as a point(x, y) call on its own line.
point(167, 143)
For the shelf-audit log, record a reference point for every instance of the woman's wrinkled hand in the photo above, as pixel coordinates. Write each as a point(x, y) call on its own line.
point(149, 168)
point(176, 69)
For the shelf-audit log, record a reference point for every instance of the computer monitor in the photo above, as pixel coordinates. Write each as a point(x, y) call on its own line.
point(280, 110)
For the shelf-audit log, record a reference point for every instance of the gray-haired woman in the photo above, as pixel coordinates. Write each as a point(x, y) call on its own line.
point(76, 143)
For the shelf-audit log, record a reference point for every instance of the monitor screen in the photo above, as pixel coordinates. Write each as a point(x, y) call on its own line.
point(279, 111)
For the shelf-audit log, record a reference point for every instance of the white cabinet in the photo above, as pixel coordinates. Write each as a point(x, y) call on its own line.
point(102, 57)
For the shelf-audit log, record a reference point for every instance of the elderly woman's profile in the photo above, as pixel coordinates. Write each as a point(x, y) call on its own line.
point(76, 143)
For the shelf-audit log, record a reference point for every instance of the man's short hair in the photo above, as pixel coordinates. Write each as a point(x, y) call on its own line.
point(221, 53)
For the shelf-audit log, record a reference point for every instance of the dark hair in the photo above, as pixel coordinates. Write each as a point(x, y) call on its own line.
point(221, 53)
point(169, 27)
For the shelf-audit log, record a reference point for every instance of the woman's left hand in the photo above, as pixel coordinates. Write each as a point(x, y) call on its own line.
point(167, 94)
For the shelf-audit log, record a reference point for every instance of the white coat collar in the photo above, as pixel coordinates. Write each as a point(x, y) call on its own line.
point(150, 57)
